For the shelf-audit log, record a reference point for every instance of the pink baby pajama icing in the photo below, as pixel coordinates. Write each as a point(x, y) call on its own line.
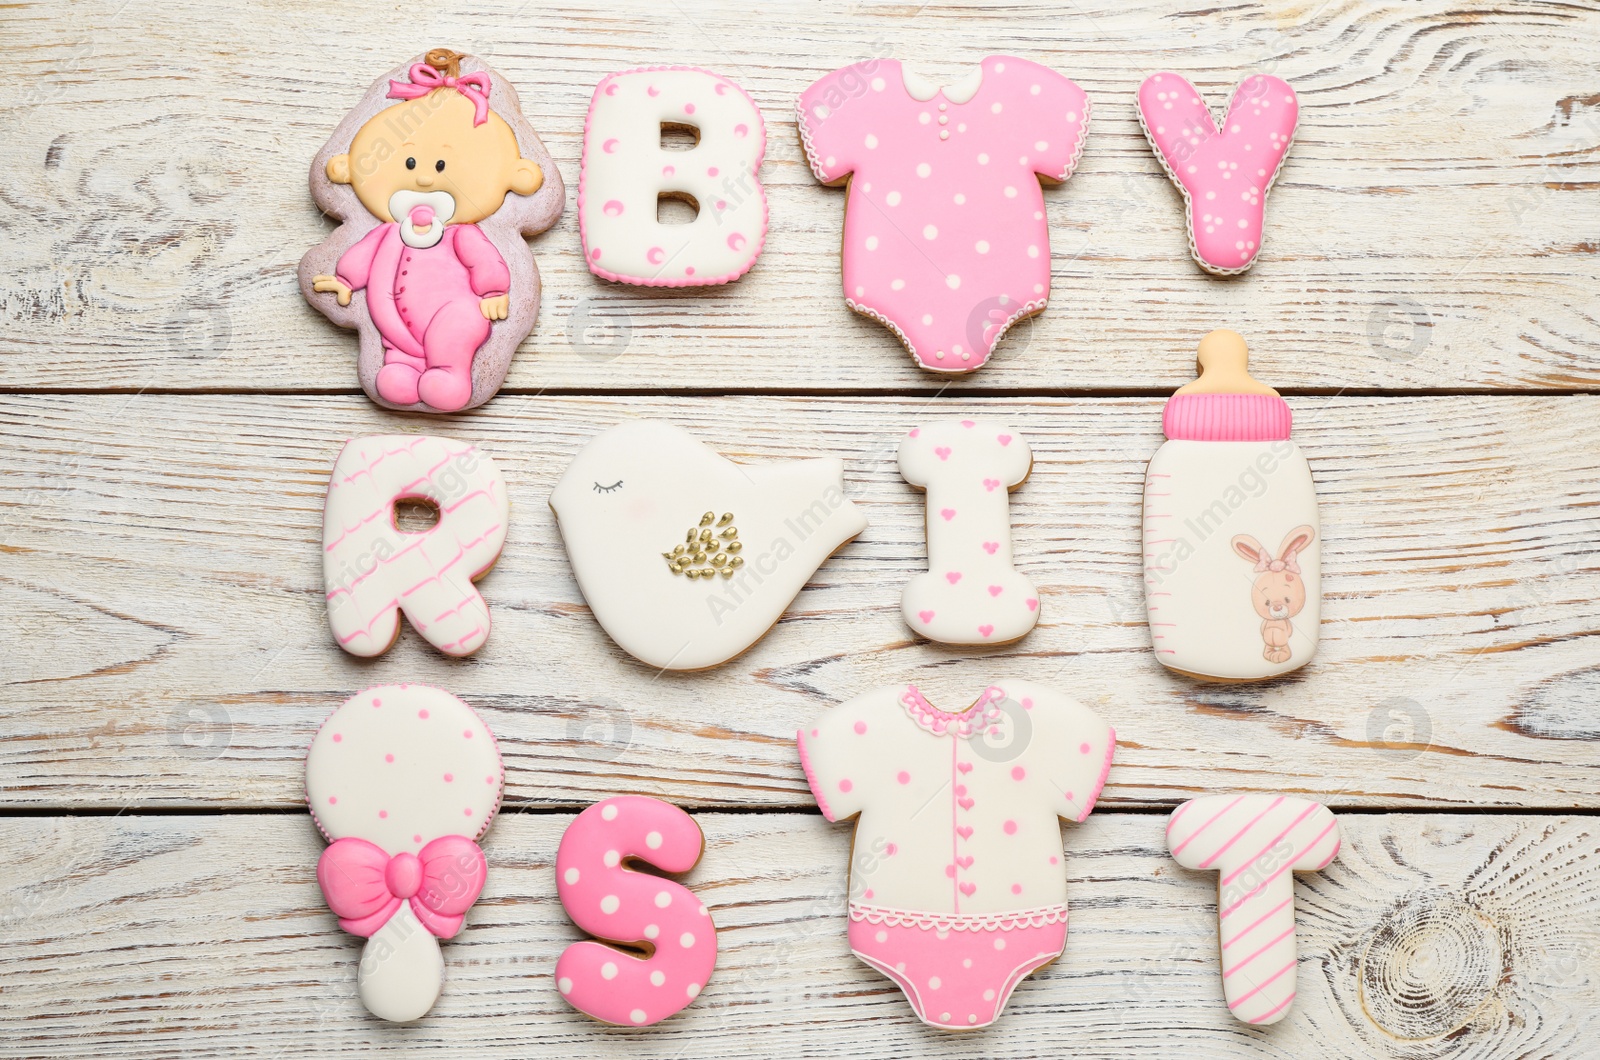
point(945, 239)
point(425, 305)
point(957, 886)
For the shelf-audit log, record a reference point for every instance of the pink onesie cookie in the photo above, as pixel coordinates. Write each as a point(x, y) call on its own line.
point(945, 240)
point(403, 781)
point(626, 170)
point(1255, 843)
point(435, 177)
point(957, 887)
point(1226, 171)
point(971, 593)
point(609, 900)
point(373, 570)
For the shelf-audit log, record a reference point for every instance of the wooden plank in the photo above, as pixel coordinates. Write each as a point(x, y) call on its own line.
point(206, 937)
point(162, 620)
point(1434, 227)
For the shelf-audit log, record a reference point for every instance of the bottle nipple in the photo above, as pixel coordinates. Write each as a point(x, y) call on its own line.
point(1222, 366)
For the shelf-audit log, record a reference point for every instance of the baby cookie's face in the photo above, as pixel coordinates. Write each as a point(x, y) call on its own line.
point(428, 146)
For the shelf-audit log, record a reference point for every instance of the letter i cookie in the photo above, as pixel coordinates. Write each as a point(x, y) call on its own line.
point(626, 170)
point(971, 593)
point(403, 781)
point(613, 902)
point(1224, 171)
point(1254, 843)
point(373, 570)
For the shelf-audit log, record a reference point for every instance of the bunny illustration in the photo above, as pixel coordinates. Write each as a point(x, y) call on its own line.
point(1279, 591)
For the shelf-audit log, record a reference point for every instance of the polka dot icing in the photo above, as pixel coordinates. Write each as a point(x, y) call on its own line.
point(1232, 164)
point(384, 775)
point(1007, 138)
point(613, 902)
point(956, 851)
point(625, 169)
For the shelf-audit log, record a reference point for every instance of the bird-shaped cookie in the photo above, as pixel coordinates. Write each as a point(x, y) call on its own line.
point(685, 557)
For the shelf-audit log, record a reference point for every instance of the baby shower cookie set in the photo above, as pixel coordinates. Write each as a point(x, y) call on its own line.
point(686, 559)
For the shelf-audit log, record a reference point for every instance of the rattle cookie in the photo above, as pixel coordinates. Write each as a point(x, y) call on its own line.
point(435, 177)
point(1233, 563)
point(957, 887)
point(372, 570)
point(1254, 843)
point(945, 240)
point(403, 781)
point(686, 558)
point(612, 901)
point(971, 593)
point(626, 171)
point(1225, 170)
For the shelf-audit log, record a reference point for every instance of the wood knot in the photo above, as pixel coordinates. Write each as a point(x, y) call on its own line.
point(1430, 967)
point(445, 61)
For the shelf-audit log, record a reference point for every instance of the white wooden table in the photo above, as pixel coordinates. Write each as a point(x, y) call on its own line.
point(170, 408)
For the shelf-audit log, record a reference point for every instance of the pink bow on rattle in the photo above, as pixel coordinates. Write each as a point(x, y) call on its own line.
point(425, 79)
point(364, 886)
point(1287, 563)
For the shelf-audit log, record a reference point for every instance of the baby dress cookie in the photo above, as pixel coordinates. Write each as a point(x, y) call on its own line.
point(1233, 559)
point(435, 178)
point(686, 558)
point(1255, 843)
point(957, 887)
point(1225, 170)
point(403, 781)
point(626, 170)
point(372, 570)
point(612, 901)
point(945, 240)
point(971, 593)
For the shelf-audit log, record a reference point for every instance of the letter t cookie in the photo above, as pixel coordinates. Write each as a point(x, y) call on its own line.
point(971, 593)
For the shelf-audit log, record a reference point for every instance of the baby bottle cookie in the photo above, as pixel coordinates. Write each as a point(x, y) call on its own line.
point(435, 177)
point(403, 781)
point(1232, 551)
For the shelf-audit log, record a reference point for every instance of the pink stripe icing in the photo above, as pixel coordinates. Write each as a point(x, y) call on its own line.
point(1227, 418)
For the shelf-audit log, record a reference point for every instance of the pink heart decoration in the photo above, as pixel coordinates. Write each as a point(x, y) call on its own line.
point(915, 431)
point(966, 804)
point(990, 484)
point(968, 423)
point(948, 513)
point(965, 862)
point(996, 590)
point(991, 546)
point(1004, 439)
point(926, 616)
point(965, 831)
point(965, 767)
point(985, 630)
point(968, 888)
point(1033, 605)
point(942, 452)
point(953, 577)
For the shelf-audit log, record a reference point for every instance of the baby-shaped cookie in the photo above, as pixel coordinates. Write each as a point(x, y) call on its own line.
point(435, 178)
point(971, 593)
point(403, 781)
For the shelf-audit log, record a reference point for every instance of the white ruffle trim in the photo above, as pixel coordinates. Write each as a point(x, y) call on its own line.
point(1007, 921)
